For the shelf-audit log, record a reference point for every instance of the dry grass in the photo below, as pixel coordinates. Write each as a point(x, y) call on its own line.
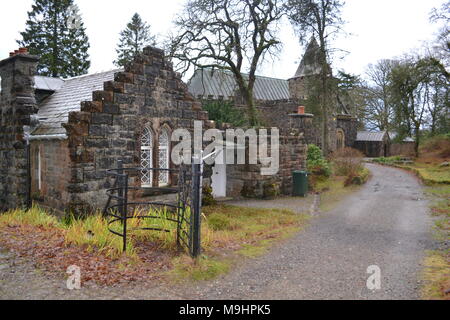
point(437, 276)
point(227, 232)
point(347, 161)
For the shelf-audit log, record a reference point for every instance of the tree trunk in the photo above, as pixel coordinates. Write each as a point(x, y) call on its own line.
point(416, 146)
point(251, 109)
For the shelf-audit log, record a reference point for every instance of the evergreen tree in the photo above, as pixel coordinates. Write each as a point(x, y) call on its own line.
point(55, 32)
point(133, 39)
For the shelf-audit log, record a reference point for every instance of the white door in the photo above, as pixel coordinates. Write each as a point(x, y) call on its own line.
point(219, 177)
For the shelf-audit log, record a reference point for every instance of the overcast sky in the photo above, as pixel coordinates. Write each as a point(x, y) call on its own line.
point(379, 29)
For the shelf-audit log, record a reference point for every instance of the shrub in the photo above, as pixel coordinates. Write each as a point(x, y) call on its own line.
point(347, 161)
point(317, 164)
point(270, 190)
point(208, 198)
point(357, 178)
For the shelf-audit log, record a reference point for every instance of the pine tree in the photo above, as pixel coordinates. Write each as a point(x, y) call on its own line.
point(55, 32)
point(133, 39)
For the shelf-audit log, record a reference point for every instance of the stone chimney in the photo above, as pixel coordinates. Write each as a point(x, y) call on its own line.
point(17, 105)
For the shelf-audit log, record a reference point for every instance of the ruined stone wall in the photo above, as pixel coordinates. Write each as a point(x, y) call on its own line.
point(17, 104)
point(109, 128)
point(246, 180)
point(51, 158)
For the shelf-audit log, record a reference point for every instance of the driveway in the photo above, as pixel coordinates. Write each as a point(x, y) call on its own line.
point(385, 224)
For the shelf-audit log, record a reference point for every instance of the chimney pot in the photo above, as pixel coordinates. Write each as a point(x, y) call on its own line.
point(23, 50)
point(12, 54)
point(301, 110)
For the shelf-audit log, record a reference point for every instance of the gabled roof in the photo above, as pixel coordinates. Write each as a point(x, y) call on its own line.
point(219, 84)
point(54, 111)
point(371, 136)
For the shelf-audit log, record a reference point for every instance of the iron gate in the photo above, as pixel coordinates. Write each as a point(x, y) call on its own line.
point(185, 212)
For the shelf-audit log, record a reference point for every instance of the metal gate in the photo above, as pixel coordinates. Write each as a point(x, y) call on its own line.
point(185, 212)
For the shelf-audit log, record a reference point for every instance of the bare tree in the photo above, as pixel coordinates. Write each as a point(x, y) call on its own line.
point(442, 48)
point(419, 86)
point(320, 19)
point(379, 109)
point(228, 35)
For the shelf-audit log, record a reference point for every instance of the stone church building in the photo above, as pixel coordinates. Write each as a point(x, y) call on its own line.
point(278, 100)
point(58, 137)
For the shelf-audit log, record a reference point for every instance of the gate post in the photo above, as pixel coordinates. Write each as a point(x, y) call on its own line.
point(196, 206)
point(121, 185)
point(125, 212)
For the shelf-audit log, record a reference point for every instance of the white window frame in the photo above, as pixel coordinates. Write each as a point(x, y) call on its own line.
point(164, 149)
point(147, 148)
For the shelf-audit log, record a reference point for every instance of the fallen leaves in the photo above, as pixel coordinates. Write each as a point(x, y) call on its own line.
point(46, 248)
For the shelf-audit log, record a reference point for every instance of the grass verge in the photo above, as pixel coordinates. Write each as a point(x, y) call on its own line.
point(437, 263)
point(227, 234)
point(429, 172)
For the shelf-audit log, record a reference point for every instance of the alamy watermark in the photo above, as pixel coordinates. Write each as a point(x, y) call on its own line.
point(229, 147)
point(74, 280)
point(374, 281)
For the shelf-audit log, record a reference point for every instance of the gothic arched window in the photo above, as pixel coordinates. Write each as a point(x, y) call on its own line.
point(164, 157)
point(147, 158)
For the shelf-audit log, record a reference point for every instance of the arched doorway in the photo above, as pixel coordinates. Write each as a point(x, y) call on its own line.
point(340, 139)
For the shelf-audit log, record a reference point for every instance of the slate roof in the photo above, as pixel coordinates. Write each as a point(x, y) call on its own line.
point(222, 84)
point(371, 136)
point(310, 64)
point(54, 111)
point(47, 83)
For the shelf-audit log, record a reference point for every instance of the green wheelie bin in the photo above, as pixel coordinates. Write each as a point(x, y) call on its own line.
point(300, 186)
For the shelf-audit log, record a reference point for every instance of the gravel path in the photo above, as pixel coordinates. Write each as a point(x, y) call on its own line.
point(386, 224)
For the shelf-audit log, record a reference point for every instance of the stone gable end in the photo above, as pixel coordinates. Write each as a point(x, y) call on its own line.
point(148, 93)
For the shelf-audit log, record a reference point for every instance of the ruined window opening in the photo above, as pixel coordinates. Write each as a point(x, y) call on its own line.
point(147, 158)
point(164, 158)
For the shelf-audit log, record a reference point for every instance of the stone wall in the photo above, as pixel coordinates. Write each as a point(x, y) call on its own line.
point(349, 125)
point(17, 104)
point(246, 180)
point(51, 158)
point(406, 149)
point(109, 128)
